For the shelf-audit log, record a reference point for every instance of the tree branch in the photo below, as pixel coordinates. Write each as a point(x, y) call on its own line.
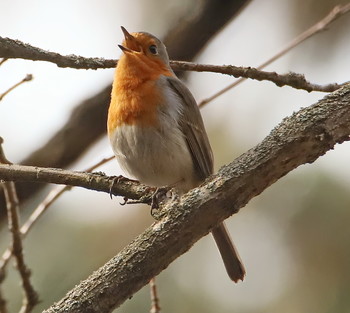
point(30, 296)
point(13, 48)
point(291, 79)
point(155, 306)
point(28, 78)
point(299, 139)
point(16, 49)
point(93, 181)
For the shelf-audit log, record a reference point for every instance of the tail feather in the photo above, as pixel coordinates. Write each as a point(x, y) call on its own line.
point(229, 254)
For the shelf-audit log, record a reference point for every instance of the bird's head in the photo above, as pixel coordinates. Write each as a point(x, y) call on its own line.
point(145, 47)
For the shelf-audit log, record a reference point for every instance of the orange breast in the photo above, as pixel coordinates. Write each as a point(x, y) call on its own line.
point(135, 93)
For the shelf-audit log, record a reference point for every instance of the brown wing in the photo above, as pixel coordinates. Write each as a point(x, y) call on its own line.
point(194, 131)
point(202, 156)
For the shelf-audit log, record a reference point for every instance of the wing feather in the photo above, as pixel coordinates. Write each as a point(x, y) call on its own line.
point(192, 126)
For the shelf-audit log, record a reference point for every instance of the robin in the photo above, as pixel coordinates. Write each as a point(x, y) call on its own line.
point(156, 130)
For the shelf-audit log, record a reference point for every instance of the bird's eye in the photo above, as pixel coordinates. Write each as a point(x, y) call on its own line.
point(153, 49)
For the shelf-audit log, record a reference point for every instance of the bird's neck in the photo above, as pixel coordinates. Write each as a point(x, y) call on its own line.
point(135, 92)
point(134, 70)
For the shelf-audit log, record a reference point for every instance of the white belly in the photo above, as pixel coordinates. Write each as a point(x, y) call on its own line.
point(154, 157)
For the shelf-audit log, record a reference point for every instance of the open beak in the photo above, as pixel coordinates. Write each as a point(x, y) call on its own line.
point(130, 43)
point(124, 49)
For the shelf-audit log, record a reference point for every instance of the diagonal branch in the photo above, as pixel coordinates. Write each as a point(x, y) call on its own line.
point(299, 139)
point(321, 25)
point(28, 78)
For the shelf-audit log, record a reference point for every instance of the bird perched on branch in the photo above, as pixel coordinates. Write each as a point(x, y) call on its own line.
point(156, 130)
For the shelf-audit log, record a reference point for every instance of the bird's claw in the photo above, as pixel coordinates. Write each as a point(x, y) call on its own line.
point(116, 180)
point(158, 195)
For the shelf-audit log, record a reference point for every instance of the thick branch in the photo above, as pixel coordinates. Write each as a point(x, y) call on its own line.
point(299, 139)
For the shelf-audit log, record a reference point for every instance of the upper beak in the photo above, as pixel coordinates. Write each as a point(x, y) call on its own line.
point(127, 35)
point(130, 42)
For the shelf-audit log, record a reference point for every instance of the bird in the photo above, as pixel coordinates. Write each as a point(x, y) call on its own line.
point(156, 130)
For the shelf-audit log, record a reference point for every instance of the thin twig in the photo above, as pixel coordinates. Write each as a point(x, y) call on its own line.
point(155, 308)
point(52, 196)
point(28, 78)
point(16, 49)
point(321, 25)
point(294, 80)
point(30, 296)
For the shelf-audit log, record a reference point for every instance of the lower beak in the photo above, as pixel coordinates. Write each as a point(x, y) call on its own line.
point(124, 49)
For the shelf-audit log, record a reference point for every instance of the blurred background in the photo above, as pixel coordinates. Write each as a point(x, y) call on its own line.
point(293, 238)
